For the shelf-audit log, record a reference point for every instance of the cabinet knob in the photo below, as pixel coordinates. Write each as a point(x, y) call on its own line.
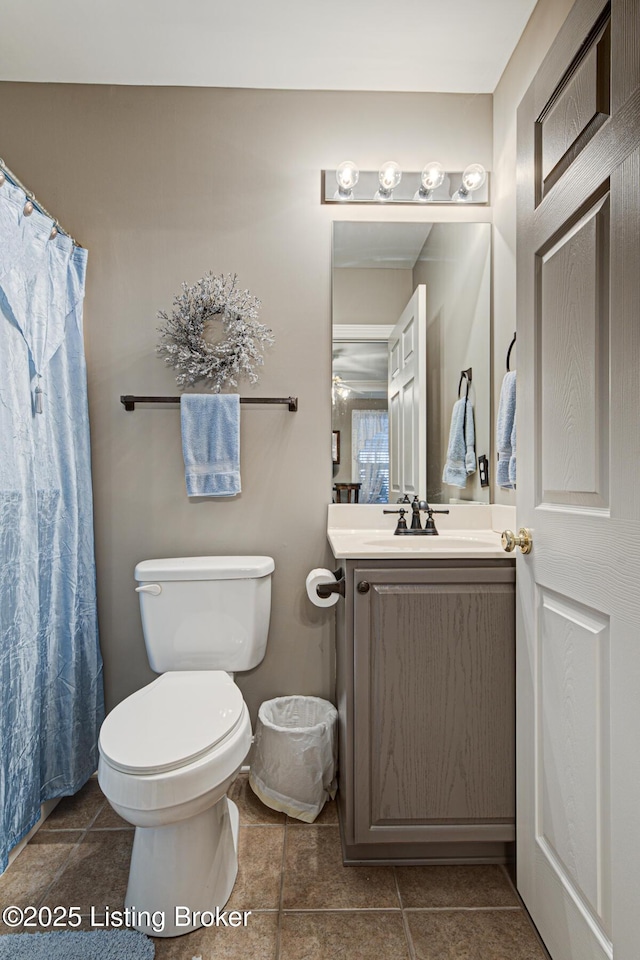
point(523, 540)
point(363, 586)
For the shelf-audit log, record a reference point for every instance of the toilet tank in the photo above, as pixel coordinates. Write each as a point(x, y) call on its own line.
point(205, 613)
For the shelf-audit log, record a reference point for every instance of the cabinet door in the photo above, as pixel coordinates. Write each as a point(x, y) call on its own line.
point(434, 704)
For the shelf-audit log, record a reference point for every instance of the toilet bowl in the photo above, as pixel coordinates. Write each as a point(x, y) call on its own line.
point(170, 751)
point(168, 755)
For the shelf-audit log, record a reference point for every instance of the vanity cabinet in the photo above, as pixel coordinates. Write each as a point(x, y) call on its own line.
point(425, 674)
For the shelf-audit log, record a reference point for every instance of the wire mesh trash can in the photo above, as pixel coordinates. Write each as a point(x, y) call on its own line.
point(295, 755)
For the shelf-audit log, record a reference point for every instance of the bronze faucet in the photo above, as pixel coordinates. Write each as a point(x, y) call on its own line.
point(417, 506)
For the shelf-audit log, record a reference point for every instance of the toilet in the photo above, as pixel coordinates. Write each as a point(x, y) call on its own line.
point(170, 751)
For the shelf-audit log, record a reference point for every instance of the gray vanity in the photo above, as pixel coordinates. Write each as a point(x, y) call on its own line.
point(425, 681)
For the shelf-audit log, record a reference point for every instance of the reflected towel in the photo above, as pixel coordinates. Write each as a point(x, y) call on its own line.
point(506, 433)
point(211, 444)
point(461, 454)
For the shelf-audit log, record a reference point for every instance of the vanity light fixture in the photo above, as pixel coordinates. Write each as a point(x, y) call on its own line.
point(389, 178)
point(431, 178)
point(391, 185)
point(347, 176)
point(473, 178)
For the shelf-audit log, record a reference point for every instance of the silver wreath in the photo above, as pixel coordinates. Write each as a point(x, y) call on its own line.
point(183, 336)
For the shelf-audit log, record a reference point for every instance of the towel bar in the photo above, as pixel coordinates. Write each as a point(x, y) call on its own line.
point(130, 401)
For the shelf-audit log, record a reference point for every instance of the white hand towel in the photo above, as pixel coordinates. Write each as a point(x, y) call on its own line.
point(211, 444)
point(461, 455)
point(506, 433)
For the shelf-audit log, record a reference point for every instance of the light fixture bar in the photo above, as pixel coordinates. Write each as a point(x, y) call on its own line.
point(367, 185)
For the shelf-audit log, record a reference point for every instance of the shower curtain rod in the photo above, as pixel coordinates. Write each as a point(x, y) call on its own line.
point(11, 177)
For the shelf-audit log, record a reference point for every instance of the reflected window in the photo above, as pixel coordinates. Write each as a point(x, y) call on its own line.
point(370, 454)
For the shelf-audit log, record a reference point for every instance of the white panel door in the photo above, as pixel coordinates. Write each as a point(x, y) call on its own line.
point(578, 409)
point(407, 399)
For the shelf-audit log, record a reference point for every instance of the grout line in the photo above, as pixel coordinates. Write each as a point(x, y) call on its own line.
point(48, 830)
point(63, 866)
point(259, 826)
point(342, 910)
point(281, 898)
point(399, 910)
point(112, 829)
point(462, 909)
point(298, 825)
point(405, 922)
point(264, 910)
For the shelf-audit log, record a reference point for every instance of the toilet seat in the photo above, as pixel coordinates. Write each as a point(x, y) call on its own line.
point(172, 722)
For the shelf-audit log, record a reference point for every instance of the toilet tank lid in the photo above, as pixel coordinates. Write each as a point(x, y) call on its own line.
point(204, 568)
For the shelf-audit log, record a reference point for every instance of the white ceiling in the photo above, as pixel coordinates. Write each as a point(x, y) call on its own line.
point(385, 245)
point(457, 46)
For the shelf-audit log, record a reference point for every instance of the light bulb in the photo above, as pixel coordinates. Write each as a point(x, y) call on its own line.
point(472, 179)
point(431, 178)
point(339, 391)
point(347, 175)
point(389, 177)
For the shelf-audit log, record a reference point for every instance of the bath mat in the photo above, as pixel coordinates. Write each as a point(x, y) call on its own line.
point(77, 945)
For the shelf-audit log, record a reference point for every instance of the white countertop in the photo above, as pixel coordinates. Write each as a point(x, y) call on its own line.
point(362, 531)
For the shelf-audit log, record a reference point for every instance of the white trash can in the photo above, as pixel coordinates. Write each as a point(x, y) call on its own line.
point(295, 755)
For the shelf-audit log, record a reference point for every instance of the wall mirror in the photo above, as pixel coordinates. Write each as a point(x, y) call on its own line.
point(411, 310)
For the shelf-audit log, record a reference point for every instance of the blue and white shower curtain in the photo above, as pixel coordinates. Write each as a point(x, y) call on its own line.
point(51, 693)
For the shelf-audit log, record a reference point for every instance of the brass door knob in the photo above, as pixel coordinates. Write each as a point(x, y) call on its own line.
point(524, 540)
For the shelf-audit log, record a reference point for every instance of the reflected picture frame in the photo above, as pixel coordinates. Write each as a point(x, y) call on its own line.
point(335, 446)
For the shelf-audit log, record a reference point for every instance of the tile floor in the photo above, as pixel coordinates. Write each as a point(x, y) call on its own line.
point(305, 904)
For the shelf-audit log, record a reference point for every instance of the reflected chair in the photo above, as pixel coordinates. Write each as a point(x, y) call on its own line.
point(347, 492)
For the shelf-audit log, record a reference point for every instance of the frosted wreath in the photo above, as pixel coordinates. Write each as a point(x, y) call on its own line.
point(183, 344)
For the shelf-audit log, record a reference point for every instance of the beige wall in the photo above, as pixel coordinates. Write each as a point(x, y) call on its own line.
point(546, 19)
point(455, 266)
point(162, 185)
point(370, 295)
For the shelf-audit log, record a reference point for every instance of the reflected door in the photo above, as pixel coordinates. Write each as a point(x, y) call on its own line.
point(407, 398)
point(578, 634)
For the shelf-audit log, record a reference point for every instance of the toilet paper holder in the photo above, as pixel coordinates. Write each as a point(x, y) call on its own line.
point(324, 590)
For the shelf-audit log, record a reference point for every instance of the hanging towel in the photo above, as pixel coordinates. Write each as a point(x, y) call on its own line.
point(506, 433)
point(512, 458)
point(211, 444)
point(461, 455)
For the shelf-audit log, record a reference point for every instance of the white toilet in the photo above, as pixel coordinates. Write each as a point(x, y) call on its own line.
point(170, 752)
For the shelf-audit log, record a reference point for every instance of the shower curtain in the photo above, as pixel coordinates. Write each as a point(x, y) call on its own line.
point(51, 694)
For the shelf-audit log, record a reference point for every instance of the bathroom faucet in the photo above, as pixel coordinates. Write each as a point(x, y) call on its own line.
point(417, 506)
point(430, 527)
point(401, 529)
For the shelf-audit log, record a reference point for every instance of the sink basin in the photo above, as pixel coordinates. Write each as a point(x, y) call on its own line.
point(444, 541)
point(481, 536)
point(383, 544)
point(364, 532)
